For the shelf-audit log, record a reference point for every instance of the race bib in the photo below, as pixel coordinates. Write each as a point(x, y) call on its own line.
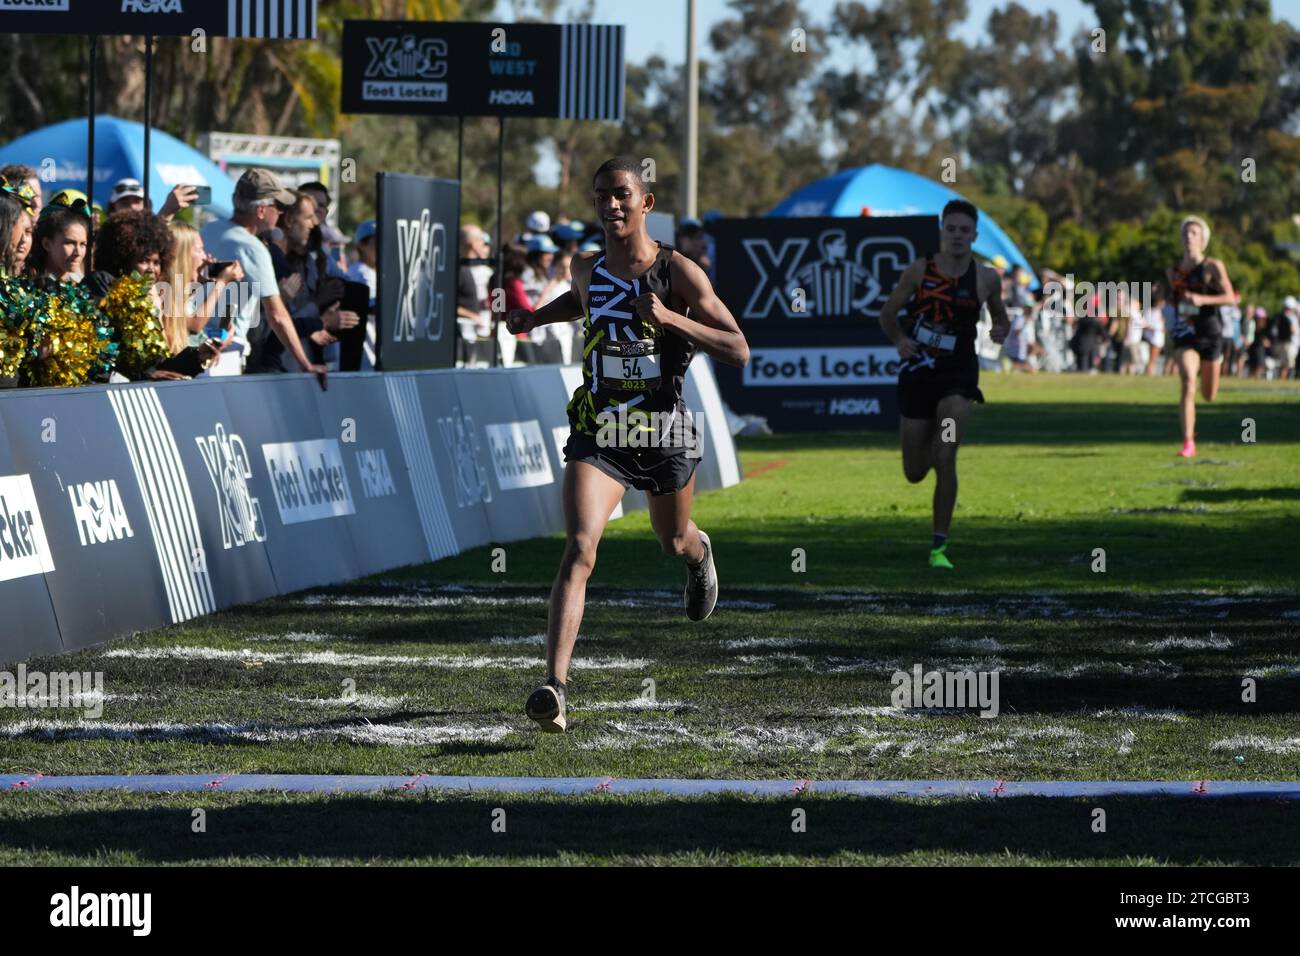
point(630, 366)
point(932, 338)
point(1188, 310)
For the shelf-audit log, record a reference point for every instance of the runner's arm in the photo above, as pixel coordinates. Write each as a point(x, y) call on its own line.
point(1227, 297)
point(907, 285)
point(997, 308)
point(714, 331)
point(566, 308)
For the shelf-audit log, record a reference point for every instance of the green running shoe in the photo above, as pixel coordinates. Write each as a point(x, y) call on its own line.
point(938, 559)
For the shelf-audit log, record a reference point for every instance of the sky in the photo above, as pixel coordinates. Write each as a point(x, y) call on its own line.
point(660, 26)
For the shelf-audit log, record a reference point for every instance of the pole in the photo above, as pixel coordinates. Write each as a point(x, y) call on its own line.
point(460, 145)
point(148, 113)
point(501, 244)
point(90, 124)
point(690, 162)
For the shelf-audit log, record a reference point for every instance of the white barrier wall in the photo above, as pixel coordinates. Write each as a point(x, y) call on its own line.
point(128, 507)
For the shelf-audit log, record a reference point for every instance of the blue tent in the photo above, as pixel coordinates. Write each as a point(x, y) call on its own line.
point(878, 190)
point(119, 153)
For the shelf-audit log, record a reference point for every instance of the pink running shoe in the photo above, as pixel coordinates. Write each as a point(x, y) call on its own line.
point(1189, 449)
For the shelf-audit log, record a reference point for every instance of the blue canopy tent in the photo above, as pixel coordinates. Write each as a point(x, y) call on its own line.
point(878, 190)
point(119, 153)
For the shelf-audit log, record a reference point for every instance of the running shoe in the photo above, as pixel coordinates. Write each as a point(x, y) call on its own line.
point(546, 706)
point(701, 595)
point(1189, 449)
point(938, 559)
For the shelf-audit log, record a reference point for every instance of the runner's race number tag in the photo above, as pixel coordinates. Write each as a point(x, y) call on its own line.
point(1187, 309)
point(932, 338)
point(630, 366)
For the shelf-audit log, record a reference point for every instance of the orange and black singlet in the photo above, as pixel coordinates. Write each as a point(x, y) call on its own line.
point(942, 315)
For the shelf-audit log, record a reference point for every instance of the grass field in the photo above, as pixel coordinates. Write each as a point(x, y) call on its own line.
point(1132, 673)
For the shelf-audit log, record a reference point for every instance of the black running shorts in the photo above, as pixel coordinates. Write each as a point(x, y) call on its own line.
point(1208, 347)
point(657, 471)
point(921, 390)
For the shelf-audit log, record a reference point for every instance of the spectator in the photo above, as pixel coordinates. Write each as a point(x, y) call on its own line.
point(565, 333)
point(59, 244)
point(538, 223)
point(130, 241)
point(537, 276)
point(1286, 337)
point(15, 235)
point(366, 243)
point(186, 315)
point(1153, 329)
point(312, 308)
point(693, 242)
point(1259, 345)
point(475, 306)
point(19, 175)
point(127, 196)
point(568, 235)
point(514, 266)
point(255, 198)
point(1086, 343)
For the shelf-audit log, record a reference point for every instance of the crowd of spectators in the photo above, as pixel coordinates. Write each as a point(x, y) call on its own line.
point(1125, 329)
point(123, 293)
point(536, 268)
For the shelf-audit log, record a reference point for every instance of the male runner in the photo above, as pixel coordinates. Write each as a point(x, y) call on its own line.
point(1200, 286)
point(647, 309)
point(939, 375)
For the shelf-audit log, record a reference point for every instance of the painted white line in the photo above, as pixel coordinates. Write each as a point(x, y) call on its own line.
point(367, 660)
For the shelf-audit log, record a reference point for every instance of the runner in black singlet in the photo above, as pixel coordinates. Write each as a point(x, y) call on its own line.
point(939, 376)
point(647, 310)
point(1200, 285)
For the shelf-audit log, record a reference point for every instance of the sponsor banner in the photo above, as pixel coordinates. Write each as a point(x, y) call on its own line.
point(447, 457)
point(273, 19)
point(488, 410)
point(128, 507)
point(808, 294)
point(267, 411)
point(107, 574)
point(381, 530)
point(419, 224)
point(569, 71)
point(309, 480)
point(786, 367)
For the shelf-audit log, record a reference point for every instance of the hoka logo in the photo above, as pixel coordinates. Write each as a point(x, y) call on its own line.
point(151, 6)
point(511, 98)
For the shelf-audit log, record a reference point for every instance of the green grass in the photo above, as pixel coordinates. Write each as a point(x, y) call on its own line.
point(1135, 673)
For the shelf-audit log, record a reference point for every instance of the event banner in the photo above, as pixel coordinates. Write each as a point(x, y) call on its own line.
point(808, 294)
point(129, 507)
point(419, 221)
point(271, 19)
point(570, 71)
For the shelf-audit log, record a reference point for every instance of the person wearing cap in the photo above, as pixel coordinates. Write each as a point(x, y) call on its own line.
point(257, 200)
point(1284, 337)
point(128, 195)
point(568, 235)
point(1200, 285)
point(538, 223)
point(693, 242)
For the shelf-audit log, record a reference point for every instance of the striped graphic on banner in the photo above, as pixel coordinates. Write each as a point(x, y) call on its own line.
point(404, 398)
point(591, 71)
point(167, 501)
point(272, 19)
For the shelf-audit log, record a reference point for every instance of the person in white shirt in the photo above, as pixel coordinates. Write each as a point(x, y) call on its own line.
point(255, 200)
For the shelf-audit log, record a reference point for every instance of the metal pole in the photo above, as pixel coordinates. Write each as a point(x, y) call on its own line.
point(148, 114)
point(501, 243)
point(460, 145)
point(90, 124)
point(690, 162)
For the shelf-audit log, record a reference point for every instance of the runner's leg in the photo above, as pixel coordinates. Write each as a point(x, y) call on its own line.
point(918, 440)
point(1210, 372)
point(951, 416)
point(1188, 364)
point(670, 517)
point(590, 496)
